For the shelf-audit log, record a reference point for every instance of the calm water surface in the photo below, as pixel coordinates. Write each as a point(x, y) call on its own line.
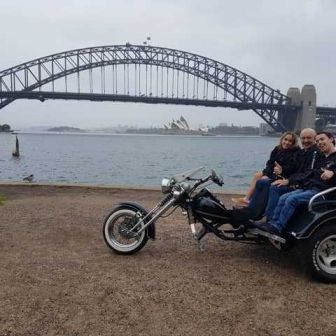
point(133, 160)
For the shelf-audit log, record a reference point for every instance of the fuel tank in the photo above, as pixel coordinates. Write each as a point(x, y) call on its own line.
point(208, 206)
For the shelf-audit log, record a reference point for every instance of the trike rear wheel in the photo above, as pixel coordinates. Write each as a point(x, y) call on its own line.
point(320, 253)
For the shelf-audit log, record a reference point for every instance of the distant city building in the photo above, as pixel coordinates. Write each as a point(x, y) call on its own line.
point(330, 128)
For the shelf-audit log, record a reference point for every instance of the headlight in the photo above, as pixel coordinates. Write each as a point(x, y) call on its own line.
point(166, 185)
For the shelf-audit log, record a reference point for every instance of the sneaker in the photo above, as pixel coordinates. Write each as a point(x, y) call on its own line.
point(239, 206)
point(273, 229)
point(257, 225)
point(268, 231)
point(240, 201)
point(260, 222)
point(268, 228)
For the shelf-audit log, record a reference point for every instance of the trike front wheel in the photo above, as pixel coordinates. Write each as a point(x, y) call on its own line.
point(121, 233)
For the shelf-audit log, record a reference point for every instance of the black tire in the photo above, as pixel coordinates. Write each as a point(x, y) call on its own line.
point(115, 233)
point(319, 252)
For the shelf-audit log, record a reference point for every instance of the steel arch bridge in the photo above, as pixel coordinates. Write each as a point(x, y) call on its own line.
point(143, 73)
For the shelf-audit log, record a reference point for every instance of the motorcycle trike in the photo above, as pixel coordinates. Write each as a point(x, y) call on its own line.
point(312, 228)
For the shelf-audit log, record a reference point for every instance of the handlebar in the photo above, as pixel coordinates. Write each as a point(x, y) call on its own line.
point(213, 177)
point(201, 181)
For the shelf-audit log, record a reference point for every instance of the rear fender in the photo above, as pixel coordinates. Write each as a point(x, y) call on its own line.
point(312, 222)
point(137, 207)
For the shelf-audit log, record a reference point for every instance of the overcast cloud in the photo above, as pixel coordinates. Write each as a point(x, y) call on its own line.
point(284, 44)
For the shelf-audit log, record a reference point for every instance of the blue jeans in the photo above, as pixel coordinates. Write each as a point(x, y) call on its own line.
point(287, 205)
point(273, 197)
point(259, 197)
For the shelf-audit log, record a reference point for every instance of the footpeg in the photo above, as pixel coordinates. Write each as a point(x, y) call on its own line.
point(184, 213)
point(236, 230)
point(268, 235)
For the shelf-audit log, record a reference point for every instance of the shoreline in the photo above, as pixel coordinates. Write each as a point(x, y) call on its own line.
point(100, 187)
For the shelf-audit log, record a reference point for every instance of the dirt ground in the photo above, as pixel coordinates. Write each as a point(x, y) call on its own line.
point(57, 276)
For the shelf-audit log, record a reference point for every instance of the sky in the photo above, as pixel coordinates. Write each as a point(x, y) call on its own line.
point(284, 44)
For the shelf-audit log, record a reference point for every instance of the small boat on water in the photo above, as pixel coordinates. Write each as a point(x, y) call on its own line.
point(16, 151)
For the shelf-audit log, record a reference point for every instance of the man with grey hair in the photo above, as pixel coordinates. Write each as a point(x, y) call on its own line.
point(321, 176)
point(305, 159)
point(268, 195)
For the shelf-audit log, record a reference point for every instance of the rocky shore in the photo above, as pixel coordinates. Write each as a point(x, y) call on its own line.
point(58, 277)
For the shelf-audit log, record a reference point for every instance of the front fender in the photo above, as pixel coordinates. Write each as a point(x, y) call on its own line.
point(137, 207)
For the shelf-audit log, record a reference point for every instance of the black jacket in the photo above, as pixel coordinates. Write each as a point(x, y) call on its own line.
point(304, 162)
point(285, 158)
point(312, 178)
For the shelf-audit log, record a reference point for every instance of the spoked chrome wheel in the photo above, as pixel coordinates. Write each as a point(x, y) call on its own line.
point(118, 233)
point(326, 254)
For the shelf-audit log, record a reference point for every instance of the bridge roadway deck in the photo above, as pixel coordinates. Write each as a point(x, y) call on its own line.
point(43, 95)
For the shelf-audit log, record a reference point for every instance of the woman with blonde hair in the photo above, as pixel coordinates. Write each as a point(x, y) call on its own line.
point(280, 165)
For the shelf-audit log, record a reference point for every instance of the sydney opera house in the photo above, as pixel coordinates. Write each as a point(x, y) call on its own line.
point(181, 126)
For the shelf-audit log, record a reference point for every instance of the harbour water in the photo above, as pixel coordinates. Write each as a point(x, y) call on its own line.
point(130, 160)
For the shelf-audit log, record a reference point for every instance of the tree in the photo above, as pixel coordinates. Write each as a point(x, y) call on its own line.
point(5, 128)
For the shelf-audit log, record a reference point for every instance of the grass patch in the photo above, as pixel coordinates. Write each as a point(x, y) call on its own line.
point(2, 199)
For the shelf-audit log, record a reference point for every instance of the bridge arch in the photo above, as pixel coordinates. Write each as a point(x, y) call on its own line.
point(21, 80)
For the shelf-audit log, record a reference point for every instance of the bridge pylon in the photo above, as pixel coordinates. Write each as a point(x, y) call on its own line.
point(308, 98)
point(289, 117)
point(305, 115)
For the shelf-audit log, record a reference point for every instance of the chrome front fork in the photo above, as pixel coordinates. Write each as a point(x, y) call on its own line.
point(157, 213)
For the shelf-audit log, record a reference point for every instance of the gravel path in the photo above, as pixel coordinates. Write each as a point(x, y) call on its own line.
point(58, 277)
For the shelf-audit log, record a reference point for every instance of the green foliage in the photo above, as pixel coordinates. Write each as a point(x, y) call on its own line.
point(5, 128)
point(2, 199)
